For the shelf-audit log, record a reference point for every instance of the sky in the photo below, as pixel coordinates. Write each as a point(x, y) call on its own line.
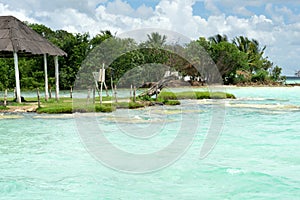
point(274, 23)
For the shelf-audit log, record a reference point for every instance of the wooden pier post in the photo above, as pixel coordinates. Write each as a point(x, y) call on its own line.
point(116, 94)
point(71, 92)
point(38, 97)
point(88, 96)
point(5, 98)
point(156, 93)
point(94, 95)
point(134, 94)
point(50, 92)
point(15, 93)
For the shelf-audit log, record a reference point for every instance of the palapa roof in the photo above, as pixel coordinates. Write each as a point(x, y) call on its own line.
point(15, 36)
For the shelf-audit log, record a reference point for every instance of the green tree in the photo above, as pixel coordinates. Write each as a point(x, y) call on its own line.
point(218, 39)
point(228, 59)
point(155, 40)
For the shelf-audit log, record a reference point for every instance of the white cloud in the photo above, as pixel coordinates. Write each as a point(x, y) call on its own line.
point(119, 7)
point(242, 10)
point(269, 28)
point(21, 14)
point(210, 5)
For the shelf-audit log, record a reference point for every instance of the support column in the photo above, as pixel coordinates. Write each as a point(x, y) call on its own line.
point(46, 77)
point(56, 78)
point(17, 77)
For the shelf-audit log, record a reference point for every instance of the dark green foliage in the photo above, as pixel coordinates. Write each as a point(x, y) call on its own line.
point(105, 108)
point(260, 76)
point(128, 62)
point(55, 110)
point(3, 108)
point(195, 95)
point(171, 102)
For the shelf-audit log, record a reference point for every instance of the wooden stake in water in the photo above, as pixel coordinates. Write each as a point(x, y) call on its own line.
point(156, 92)
point(134, 94)
point(94, 95)
point(15, 93)
point(38, 97)
point(50, 92)
point(88, 96)
point(71, 92)
point(116, 94)
point(5, 98)
point(112, 86)
point(102, 80)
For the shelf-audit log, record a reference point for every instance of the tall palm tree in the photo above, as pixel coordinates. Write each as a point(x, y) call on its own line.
point(156, 40)
point(252, 49)
point(218, 38)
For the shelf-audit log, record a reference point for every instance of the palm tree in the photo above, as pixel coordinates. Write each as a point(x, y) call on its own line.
point(156, 40)
point(253, 51)
point(297, 73)
point(218, 38)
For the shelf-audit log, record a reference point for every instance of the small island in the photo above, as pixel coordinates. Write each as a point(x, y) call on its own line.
point(199, 63)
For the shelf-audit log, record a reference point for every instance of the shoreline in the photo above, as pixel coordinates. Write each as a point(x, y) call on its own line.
point(32, 107)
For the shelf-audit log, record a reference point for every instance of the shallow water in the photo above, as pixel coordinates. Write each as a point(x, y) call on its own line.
point(256, 155)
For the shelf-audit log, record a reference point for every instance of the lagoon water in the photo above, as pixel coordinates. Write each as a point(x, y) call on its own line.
point(256, 155)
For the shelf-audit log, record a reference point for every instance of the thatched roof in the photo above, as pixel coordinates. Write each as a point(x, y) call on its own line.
point(15, 36)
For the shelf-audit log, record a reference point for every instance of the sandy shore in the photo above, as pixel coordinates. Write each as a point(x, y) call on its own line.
point(20, 109)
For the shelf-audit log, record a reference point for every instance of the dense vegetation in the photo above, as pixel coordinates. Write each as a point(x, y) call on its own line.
point(238, 61)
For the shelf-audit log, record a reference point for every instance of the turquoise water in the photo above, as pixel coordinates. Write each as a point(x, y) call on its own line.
point(292, 80)
point(256, 155)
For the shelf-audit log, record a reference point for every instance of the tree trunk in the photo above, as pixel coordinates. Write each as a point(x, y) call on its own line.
point(157, 87)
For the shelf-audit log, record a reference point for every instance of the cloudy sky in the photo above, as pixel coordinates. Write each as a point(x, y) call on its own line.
point(274, 23)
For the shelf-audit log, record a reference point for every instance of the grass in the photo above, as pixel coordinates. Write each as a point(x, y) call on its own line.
point(67, 105)
point(170, 102)
point(130, 105)
point(3, 108)
point(195, 95)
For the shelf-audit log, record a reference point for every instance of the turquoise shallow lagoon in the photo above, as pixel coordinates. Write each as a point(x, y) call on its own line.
point(256, 155)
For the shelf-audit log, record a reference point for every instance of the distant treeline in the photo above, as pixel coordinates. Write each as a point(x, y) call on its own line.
point(239, 61)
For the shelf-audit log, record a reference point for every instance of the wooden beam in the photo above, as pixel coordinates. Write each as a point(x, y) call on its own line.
point(17, 77)
point(56, 78)
point(46, 77)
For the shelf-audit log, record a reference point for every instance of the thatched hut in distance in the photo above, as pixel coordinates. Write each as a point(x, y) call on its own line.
point(17, 39)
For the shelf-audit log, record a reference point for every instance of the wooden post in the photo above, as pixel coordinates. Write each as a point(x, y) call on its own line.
point(116, 94)
point(50, 92)
point(38, 97)
point(15, 93)
point(18, 90)
point(5, 98)
point(101, 89)
point(71, 92)
point(46, 78)
point(101, 86)
point(94, 95)
point(134, 94)
point(106, 89)
point(56, 78)
point(156, 93)
point(130, 91)
point(112, 86)
point(89, 95)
